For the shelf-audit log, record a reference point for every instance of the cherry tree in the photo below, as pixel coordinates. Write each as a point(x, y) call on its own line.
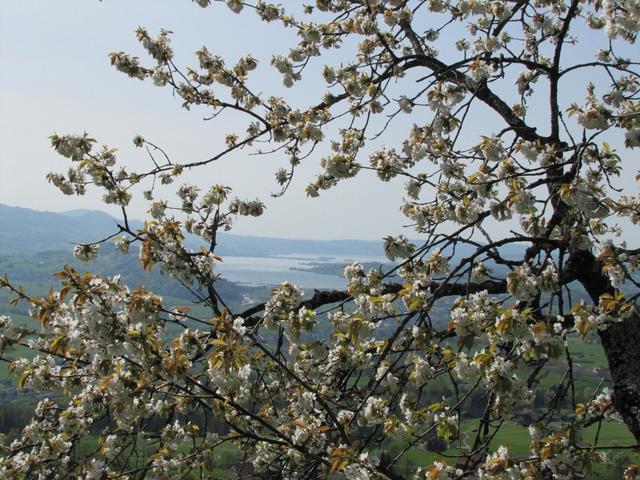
point(482, 109)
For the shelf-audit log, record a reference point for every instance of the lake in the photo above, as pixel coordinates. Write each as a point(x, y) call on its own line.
point(277, 269)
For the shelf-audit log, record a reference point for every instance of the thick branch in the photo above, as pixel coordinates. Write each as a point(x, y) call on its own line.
point(438, 290)
point(450, 73)
point(620, 340)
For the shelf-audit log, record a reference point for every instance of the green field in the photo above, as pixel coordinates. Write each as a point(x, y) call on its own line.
point(517, 439)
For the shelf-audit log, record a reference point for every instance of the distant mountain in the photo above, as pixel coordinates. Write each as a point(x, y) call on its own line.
point(26, 231)
point(244, 245)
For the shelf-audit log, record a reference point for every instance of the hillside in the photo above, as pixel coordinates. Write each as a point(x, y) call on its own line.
point(26, 231)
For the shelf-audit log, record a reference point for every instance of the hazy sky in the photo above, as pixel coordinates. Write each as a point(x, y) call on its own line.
point(56, 77)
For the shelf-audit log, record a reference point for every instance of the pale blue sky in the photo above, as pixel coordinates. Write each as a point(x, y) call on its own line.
point(56, 77)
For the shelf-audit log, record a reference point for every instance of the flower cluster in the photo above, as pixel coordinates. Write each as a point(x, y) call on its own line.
point(86, 252)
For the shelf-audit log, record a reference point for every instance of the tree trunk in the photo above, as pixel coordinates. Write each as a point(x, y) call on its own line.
point(621, 343)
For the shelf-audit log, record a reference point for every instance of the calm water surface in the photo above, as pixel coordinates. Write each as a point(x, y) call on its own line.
point(277, 269)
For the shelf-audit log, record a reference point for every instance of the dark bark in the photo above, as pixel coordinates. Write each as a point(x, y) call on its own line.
point(621, 343)
point(438, 290)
